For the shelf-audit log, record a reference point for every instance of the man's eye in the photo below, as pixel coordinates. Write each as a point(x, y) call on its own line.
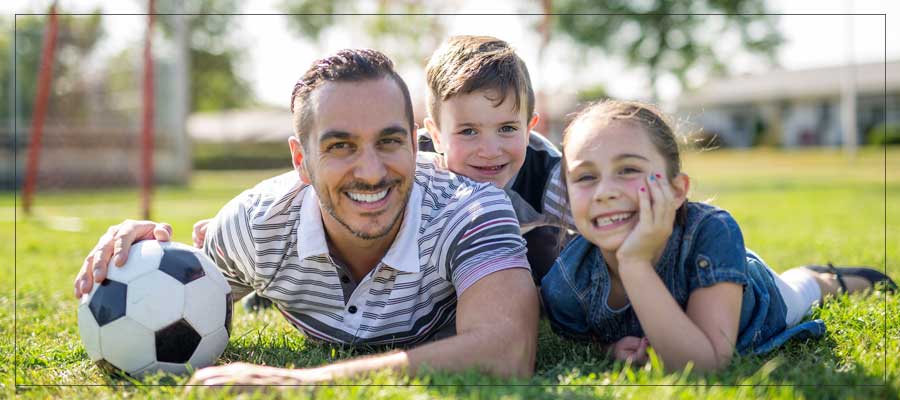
point(390, 142)
point(468, 132)
point(338, 147)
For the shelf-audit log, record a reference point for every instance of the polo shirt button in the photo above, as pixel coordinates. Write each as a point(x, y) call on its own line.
point(352, 309)
point(345, 279)
point(703, 263)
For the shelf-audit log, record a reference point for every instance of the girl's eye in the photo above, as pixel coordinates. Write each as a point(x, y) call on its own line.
point(629, 171)
point(468, 132)
point(584, 178)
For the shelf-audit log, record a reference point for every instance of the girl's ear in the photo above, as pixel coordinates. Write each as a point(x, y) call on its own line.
point(681, 185)
point(297, 158)
point(435, 134)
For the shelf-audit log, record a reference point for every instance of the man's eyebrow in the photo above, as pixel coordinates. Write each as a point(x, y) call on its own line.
point(393, 130)
point(334, 135)
point(630, 155)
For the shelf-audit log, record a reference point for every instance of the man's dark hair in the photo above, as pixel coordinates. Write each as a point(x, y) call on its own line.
point(348, 65)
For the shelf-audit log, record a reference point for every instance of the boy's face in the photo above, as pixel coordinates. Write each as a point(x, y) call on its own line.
point(481, 141)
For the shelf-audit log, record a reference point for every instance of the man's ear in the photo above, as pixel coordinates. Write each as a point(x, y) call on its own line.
point(435, 134)
point(534, 121)
point(297, 158)
point(681, 185)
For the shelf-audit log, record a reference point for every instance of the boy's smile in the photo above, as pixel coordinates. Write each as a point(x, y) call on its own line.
point(481, 139)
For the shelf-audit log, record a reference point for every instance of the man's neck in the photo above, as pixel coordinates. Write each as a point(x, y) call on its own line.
point(359, 255)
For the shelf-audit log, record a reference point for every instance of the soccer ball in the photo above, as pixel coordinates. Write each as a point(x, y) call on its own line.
point(168, 307)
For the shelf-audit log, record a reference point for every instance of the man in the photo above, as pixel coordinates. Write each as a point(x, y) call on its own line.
point(393, 250)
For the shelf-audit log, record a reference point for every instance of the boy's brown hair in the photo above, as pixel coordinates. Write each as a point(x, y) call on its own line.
point(467, 63)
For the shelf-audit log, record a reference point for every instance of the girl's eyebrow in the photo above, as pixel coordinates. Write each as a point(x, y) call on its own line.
point(629, 155)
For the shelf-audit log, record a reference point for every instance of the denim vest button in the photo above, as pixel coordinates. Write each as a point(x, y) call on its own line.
point(703, 263)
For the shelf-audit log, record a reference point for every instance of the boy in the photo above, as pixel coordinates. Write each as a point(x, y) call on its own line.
point(480, 117)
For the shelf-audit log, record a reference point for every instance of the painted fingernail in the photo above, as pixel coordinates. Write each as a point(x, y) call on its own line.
point(643, 189)
point(658, 176)
point(652, 178)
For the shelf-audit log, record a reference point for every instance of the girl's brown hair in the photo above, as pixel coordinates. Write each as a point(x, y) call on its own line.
point(645, 116)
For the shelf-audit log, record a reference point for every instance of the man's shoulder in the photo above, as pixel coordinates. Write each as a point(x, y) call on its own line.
point(445, 190)
point(270, 196)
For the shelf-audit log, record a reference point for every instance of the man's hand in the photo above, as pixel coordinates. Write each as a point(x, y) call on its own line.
point(245, 377)
point(199, 233)
point(115, 244)
point(631, 348)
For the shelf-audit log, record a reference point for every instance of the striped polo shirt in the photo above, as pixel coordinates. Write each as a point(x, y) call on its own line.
point(455, 231)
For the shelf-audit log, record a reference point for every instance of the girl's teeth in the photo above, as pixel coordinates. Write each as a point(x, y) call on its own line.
point(612, 219)
point(367, 197)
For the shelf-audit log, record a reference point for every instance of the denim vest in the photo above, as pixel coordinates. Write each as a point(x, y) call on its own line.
point(707, 249)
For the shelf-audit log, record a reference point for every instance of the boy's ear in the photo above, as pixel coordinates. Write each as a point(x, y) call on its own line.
point(415, 138)
point(534, 121)
point(297, 158)
point(681, 185)
point(435, 134)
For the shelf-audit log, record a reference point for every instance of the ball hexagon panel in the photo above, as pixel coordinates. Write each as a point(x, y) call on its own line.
point(204, 307)
point(212, 271)
point(127, 344)
point(176, 343)
point(156, 300)
point(108, 301)
point(90, 332)
point(181, 264)
point(143, 257)
point(209, 349)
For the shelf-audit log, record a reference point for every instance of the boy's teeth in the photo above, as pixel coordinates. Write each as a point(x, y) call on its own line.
point(367, 197)
point(612, 219)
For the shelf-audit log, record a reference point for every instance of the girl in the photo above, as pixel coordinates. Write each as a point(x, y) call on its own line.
point(651, 267)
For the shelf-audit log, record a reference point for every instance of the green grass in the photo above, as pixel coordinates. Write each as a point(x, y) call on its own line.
point(794, 208)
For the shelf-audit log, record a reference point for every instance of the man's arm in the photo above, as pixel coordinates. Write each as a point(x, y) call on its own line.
point(496, 322)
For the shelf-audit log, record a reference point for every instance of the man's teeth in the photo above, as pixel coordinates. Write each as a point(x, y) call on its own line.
point(612, 219)
point(368, 197)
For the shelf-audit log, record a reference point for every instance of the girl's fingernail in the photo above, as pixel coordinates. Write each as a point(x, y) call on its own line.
point(658, 176)
point(652, 178)
point(643, 189)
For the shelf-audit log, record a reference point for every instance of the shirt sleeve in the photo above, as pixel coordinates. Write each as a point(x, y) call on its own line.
point(719, 254)
point(229, 242)
point(556, 200)
point(488, 239)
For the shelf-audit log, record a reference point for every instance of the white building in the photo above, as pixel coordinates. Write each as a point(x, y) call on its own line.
point(793, 108)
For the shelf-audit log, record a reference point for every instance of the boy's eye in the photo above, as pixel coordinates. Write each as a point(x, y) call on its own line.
point(468, 132)
point(508, 128)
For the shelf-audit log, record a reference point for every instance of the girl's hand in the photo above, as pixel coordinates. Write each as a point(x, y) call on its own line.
point(656, 216)
point(631, 348)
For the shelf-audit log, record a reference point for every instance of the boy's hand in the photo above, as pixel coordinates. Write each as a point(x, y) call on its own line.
point(199, 233)
point(115, 244)
point(631, 348)
point(657, 209)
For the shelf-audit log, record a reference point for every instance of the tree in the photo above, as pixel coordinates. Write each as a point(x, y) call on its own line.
point(669, 36)
point(395, 27)
point(215, 81)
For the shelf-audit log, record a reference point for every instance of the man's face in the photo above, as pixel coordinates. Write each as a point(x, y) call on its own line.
point(359, 157)
point(482, 141)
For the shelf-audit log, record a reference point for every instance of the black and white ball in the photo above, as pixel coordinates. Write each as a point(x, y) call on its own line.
point(168, 307)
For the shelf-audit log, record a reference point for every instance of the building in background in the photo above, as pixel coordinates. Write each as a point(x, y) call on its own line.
point(792, 108)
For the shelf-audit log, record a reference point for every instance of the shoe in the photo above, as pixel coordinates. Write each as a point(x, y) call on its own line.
point(255, 303)
point(870, 274)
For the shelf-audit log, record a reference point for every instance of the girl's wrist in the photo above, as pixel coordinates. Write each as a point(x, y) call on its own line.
point(629, 267)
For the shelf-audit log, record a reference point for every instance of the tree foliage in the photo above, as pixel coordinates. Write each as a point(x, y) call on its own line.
point(669, 36)
point(215, 79)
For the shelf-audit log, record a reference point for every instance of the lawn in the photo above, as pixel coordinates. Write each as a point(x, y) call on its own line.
point(794, 208)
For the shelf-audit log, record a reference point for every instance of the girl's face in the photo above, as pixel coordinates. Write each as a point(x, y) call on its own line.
point(605, 169)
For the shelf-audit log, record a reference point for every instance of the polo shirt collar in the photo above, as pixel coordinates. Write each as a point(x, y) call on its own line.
point(403, 255)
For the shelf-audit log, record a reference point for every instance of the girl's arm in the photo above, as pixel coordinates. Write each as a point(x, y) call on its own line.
point(705, 334)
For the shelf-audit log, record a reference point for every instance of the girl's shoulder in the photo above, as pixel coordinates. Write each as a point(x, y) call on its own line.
point(712, 247)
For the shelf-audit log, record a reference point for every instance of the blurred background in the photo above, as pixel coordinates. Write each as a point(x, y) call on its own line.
point(223, 71)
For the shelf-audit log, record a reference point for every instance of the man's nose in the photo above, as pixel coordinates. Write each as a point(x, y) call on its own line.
point(369, 166)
